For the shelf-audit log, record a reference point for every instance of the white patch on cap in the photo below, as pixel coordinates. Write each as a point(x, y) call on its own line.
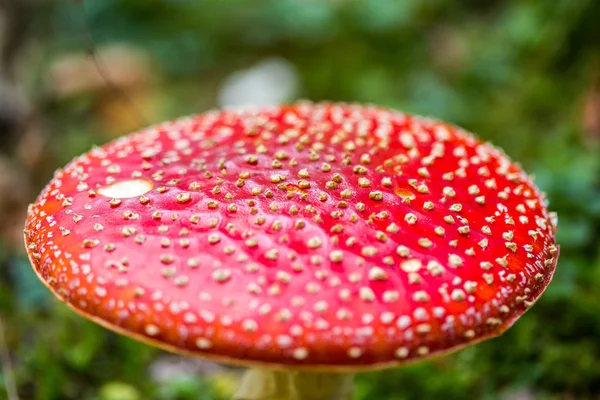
point(126, 189)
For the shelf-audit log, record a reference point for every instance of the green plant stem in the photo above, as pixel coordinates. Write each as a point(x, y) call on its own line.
point(7, 370)
point(263, 384)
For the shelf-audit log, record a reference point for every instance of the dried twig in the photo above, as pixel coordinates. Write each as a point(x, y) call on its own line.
point(103, 70)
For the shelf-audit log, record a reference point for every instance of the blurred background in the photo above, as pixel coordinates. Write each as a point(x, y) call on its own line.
point(523, 74)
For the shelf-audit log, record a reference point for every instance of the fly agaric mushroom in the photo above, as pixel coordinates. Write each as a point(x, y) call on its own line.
point(307, 242)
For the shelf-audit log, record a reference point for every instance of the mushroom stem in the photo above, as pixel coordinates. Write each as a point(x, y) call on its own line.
point(264, 384)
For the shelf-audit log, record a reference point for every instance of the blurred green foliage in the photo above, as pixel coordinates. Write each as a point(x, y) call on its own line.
point(519, 73)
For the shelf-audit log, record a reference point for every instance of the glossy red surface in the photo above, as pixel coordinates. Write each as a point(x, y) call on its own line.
point(323, 235)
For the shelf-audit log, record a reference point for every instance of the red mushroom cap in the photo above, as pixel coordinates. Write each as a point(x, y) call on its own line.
point(324, 236)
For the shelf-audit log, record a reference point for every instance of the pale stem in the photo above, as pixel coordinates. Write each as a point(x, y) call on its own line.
point(264, 384)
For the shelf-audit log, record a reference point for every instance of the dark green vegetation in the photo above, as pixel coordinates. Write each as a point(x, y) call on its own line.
point(523, 74)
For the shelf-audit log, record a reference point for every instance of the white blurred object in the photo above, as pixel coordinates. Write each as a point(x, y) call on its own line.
point(523, 394)
point(269, 82)
point(169, 368)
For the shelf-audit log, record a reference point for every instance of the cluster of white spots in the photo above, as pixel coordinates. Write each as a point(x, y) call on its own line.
point(312, 234)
